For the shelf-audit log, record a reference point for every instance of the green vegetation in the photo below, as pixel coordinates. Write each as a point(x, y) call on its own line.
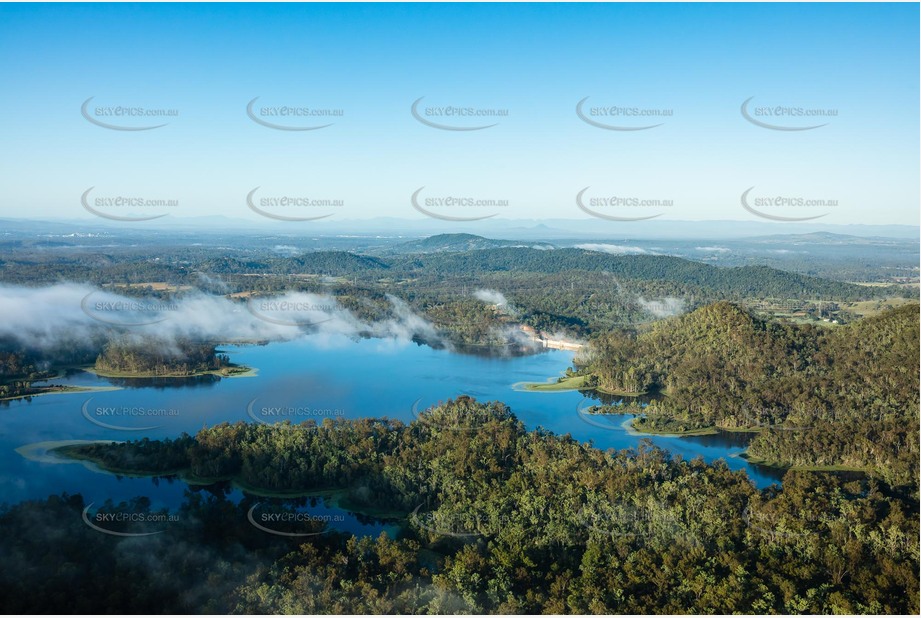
point(504, 520)
point(567, 383)
point(494, 518)
point(568, 290)
point(122, 358)
point(841, 397)
point(19, 368)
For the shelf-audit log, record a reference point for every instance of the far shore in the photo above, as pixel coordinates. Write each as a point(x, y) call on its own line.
point(571, 383)
point(337, 496)
point(760, 461)
point(40, 391)
point(234, 371)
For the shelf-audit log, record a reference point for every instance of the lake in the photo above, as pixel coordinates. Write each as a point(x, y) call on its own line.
point(312, 378)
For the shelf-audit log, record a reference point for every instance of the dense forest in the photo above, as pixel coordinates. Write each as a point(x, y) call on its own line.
point(498, 519)
point(846, 396)
point(20, 366)
point(152, 357)
point(17, 372)
point(738, 282)
point(570, 291)
point(494, 518)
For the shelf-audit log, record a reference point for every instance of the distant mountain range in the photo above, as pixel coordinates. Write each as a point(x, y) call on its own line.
point(513, 229)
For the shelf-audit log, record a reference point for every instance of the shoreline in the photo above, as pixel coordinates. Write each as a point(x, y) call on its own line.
point(565, 384)
point(336, 496)
point(236, 371)
point(62, 390)
point(760, 461)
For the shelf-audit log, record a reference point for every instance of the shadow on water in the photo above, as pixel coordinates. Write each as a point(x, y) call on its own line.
point(321, 508)
point(733, 443)
point(739, 439)
point(202, 381)
point(608, 399)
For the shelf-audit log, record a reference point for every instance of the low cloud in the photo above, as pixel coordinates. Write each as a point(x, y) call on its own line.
point(612, 249)
point(286, 250)
point(491, 296)
point(79, 316)
point(494, 297)
point(664, 307)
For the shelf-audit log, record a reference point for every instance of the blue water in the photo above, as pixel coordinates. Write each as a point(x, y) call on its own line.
point(302, 380)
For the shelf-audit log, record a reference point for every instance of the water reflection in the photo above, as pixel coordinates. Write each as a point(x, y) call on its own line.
point(164, 383)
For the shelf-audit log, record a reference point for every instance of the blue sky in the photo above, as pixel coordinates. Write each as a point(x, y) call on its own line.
point(537, 61)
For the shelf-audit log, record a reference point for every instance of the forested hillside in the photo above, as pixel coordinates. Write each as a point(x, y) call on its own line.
point(149, 357)
point(846, 396)
point(503, 520)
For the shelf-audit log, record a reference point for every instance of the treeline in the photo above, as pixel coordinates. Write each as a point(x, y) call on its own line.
point(21, 366)
point(570, 291)
point(152, 357)
point(845, 396)
point(185, 266)
point(508, 521)
point(17, 371)
point(745, 281)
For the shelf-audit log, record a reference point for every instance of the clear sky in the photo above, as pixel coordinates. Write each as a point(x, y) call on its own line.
point(699, 62)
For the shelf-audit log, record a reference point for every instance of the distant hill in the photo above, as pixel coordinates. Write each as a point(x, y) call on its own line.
point(446, 260)
point(744, 281)
point(846, 396)
point(318, 262)
point(332, 262)
point(442, 243)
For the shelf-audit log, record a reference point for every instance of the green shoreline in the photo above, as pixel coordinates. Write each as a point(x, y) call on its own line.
point(572, 383)
point(61, 390)
point(702, 431)
point(234, 371)
point(337, 496)
point(760, 461)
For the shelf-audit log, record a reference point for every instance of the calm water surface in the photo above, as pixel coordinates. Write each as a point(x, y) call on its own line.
point(300, 380)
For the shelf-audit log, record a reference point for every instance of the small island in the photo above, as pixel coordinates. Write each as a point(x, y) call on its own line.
point(129, 358)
